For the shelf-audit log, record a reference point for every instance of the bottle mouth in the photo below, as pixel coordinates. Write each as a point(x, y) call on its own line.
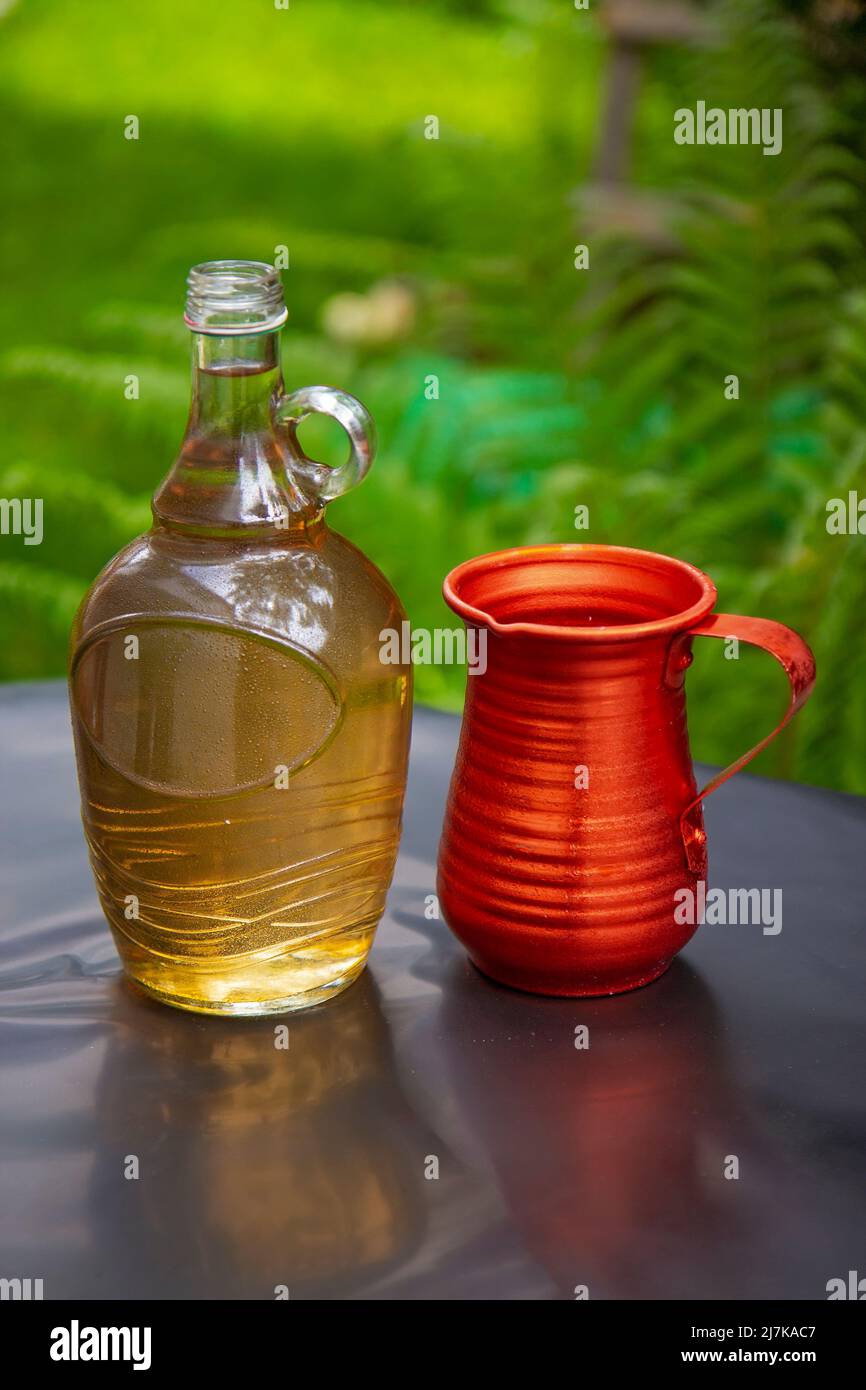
point(230, 297)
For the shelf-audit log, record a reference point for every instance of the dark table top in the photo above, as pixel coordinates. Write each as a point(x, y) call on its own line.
point(316, 1168)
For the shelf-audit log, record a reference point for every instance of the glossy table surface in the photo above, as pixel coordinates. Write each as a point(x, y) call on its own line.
point(430, 1134)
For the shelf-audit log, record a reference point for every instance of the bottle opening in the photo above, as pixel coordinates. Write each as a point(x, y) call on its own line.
point(230, 297)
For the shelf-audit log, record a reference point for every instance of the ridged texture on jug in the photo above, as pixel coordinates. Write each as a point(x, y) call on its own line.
point(562, 851)
point(555, 887)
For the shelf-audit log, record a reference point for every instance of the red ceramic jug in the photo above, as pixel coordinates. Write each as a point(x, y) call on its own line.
point(573, 820)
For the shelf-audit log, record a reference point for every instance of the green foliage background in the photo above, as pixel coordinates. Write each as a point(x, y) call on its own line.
point(262, 127)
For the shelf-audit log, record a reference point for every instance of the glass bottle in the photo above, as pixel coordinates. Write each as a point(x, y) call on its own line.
point(241, 747)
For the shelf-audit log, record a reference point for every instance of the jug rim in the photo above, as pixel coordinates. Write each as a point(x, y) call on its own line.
point(523, 555)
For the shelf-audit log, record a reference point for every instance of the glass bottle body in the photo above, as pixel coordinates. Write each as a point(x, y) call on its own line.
point(241, 747)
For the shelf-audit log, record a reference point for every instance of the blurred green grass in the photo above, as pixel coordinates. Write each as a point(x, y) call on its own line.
point(261, 128)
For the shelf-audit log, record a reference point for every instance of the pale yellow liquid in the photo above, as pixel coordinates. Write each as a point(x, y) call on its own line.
point(241, 800)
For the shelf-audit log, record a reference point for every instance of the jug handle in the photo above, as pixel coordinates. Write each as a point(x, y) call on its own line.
point(327, 483)
point(795, 657)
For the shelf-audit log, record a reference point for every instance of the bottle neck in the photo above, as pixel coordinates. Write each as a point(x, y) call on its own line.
point(232, 477)
point(235, 380)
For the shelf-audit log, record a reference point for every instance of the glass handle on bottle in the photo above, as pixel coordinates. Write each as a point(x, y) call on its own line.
point(327, 483)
